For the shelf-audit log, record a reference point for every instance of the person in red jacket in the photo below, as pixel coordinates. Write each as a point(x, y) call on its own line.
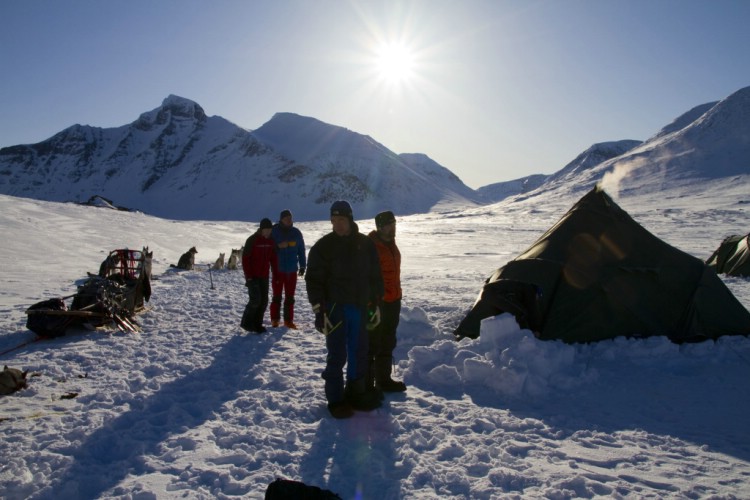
point(258, 257)
point(383, 336)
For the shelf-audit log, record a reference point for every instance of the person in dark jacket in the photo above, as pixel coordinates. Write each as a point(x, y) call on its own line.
point(343, 277)
point(258, 256)
point(290, 247)
point(383, 337)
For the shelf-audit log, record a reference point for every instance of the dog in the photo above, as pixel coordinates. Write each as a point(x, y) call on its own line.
point(108, 265)
point(219, 264)
point(234, 258)
point(187, 260)
point(12, 380)
point(147, 260)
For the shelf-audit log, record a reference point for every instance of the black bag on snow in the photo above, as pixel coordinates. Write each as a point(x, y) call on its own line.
point(286, 489)
point(48, 325)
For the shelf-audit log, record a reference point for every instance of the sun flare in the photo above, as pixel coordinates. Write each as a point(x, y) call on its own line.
point(394, 62)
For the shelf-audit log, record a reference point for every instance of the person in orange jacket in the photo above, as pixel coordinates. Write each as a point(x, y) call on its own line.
point(383, 336)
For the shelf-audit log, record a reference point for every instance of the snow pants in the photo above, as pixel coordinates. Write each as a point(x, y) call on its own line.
point(347, 345)
point(257, 291)
point(286, 282)
point(382, 341)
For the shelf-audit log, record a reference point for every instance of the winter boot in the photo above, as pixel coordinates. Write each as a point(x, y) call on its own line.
point(276, 309)
point(383, 378)
point(359, 397)
point(289, 311)
point(341, 409)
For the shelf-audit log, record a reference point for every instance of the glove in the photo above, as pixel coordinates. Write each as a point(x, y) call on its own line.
point(320, 318)
point(322, 322)
point(373, 317)
point(301, 272)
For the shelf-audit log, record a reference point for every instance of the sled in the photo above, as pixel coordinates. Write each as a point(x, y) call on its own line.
point(114, 296)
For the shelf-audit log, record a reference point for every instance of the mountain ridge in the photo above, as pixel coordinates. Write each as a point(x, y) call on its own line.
point(176, 161)
point(176, 155)
point(708, 144)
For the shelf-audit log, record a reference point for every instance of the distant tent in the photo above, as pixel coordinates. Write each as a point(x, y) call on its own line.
point(597, 274)
point(732, 257)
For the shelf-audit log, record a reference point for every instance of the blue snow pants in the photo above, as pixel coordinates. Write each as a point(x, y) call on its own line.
point(348, 342)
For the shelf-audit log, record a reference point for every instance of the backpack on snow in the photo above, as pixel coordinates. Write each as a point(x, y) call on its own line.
point(48, 325)
point(286, 489)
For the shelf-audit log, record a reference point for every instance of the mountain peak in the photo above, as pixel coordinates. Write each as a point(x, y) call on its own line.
point(686, 119)
point(730, 113)
point(181, 106)
point(306, 139)
point(595, 155)
point(173, 107)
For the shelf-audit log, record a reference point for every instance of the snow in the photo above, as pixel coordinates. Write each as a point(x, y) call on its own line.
point(193, 407)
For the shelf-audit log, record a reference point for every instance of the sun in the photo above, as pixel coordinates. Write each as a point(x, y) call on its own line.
point(394, 62)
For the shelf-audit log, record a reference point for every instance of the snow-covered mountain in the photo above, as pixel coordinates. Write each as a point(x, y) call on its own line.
point(706, 147)
point(501, 190)
point(590, 158)
point(177, 156)
point(333, 162)
point(593, 156)
point(177, 162)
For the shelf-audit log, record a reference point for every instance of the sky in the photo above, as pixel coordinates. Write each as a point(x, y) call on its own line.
point(492, 90)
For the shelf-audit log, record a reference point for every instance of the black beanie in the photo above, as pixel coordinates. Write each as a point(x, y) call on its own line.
point(384, 218)
point(341, 207)
point(266, 223)
point(285, 213)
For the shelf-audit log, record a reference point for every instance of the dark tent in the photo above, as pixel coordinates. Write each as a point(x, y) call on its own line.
point(597, 274)
point(732, 257)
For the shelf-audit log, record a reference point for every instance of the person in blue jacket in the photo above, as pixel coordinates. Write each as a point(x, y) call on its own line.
point(290, 247)
point(343, 283)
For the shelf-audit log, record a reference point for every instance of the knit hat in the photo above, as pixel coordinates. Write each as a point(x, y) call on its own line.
point(341, 207)
point(285, 213)
point(384, 218)
point(266, 223)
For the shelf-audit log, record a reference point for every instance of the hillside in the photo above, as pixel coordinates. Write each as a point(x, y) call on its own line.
point(176, 155)
point(175, 161)
point(707, 147)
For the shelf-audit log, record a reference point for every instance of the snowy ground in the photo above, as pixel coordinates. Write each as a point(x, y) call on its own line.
point(192, 407)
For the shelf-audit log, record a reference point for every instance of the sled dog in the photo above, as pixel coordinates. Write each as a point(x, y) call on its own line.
point(108, 265)
point(219, 264)
point(187, 260)
point(12, 380)
point(148, 257)
point(234, 258)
